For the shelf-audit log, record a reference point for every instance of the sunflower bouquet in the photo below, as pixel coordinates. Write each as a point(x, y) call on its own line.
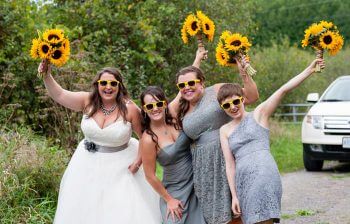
point(198, 25)
point(232, 47)
point(52, 46)
point(323, 36)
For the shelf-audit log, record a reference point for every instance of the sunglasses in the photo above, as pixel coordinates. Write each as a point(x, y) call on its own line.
point(151, 106)
point(113, 83)
point(234, 102)
point(182, 85)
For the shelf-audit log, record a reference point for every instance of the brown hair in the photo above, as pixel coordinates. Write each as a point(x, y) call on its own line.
point(157, 93)
point(228, 90)
point(95, 100)
point(184, 104)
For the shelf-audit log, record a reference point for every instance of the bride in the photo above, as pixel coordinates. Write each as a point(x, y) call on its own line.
point(97, 186)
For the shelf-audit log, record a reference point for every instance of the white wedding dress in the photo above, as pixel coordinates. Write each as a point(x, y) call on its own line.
point(97, 187)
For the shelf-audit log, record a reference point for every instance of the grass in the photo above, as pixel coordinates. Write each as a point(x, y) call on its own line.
point(286, 146)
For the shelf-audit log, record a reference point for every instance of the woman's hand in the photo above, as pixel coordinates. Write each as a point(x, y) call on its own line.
point(311, 68)
point(201, 54)
point(134, 167)
point(174, 207)
point(44, 67)
point(235, 207)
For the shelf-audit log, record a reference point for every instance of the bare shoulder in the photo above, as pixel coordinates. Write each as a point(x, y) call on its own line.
point(225, 129)
point(217, 86)
point(146, 141)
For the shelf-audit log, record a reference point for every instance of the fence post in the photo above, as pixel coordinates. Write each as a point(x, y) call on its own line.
point(294, 108)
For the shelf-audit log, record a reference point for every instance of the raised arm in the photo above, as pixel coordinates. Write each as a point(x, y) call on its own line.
point(268, 107)
point(149, 155)
point(230, 168)
point(250, 90)
point(72, 100)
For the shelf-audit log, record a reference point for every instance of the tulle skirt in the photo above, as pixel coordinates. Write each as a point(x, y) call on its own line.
point(98, 188)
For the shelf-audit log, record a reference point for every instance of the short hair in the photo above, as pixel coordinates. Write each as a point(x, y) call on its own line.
point(228, 90)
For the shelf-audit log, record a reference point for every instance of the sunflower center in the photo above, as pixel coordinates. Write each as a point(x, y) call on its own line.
point(194, 26)
point(45, 48)
point(232, 60)
point(207, 26)
point(56, 54)
point(236, 43)
point(53, 36)
point(327, 39)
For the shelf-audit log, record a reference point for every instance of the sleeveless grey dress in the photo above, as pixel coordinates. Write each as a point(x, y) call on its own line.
point(176, 161)
point(257, 180)
point(209, 173)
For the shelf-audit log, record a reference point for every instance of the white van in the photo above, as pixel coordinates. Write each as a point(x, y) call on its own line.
point(326, 127)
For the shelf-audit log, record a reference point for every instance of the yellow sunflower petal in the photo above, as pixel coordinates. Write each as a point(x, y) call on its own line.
point(221, 55)
point(192, 25)
point(44, 50)
point(184, 34)
point(34, 51)
point(328, 40)
point(53, 36)
point(234, 42)
point(58, 57)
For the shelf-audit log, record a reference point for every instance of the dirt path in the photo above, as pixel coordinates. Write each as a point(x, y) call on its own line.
point(317, 197)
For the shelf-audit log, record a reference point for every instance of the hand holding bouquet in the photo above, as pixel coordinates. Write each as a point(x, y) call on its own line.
point(323, 36)
point(232, 47)
point(52, 47)
point(198, 25)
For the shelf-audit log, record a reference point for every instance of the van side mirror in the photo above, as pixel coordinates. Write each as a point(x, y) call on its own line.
point(312, 97)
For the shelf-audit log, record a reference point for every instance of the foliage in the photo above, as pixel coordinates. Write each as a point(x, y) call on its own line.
point(29, 178)
point(278, 19)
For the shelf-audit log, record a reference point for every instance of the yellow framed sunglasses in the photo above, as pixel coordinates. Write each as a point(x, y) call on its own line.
point(234, 102)
point(113, 83)
point(151, 106)
point(182, 85)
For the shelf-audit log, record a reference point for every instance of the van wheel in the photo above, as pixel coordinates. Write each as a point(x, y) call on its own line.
point(310, 164)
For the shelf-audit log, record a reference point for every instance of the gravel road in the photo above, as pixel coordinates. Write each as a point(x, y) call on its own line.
point(317, 197)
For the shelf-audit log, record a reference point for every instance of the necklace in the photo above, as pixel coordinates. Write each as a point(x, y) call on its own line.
point(106, 111)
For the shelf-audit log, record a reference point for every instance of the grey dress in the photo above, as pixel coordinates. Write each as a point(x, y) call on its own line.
point(257, 180)
point(209, 173)
point(176, 161)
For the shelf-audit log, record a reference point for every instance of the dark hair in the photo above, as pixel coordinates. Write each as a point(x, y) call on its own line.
point(157, 93)
point(184, 104)
point(228, 90)
point(95, 100)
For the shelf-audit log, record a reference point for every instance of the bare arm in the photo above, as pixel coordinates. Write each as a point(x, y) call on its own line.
point(149, 155)
point(134, 117)
point(230, 167)
point(268, 107)
point(250, 90)
point(72, 100)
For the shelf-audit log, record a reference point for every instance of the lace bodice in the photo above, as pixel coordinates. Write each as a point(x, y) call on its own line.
point(115, 134)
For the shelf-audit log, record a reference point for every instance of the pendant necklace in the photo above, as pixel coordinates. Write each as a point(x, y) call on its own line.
point(106, 111)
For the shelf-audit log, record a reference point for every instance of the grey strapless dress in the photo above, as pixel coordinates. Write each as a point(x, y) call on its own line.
point(257, 179)
point(209, 173)
point(176, 161)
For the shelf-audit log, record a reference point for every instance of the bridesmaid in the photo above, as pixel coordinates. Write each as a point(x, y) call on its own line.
point(200, 116)
point(162, 141)
point(250, 167)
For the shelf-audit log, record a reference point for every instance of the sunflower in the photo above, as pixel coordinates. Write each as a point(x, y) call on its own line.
point(326, 24)
point(35, 47)
point(53, 36)
point(315, 29)
point(327, 40)
point(245, 43)
point(225, 34)
point(192, 24)
point(44, 50)
point(305, 42)
point(184, 34)
point(58, 57)
point(234, 42)
point(208, 28)
point(339, 42)
point(66, 46)
point(221, 55)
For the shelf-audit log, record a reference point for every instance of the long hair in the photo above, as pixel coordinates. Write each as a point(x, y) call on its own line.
point(157, 93)
point(95, 100)
point(184, 104)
